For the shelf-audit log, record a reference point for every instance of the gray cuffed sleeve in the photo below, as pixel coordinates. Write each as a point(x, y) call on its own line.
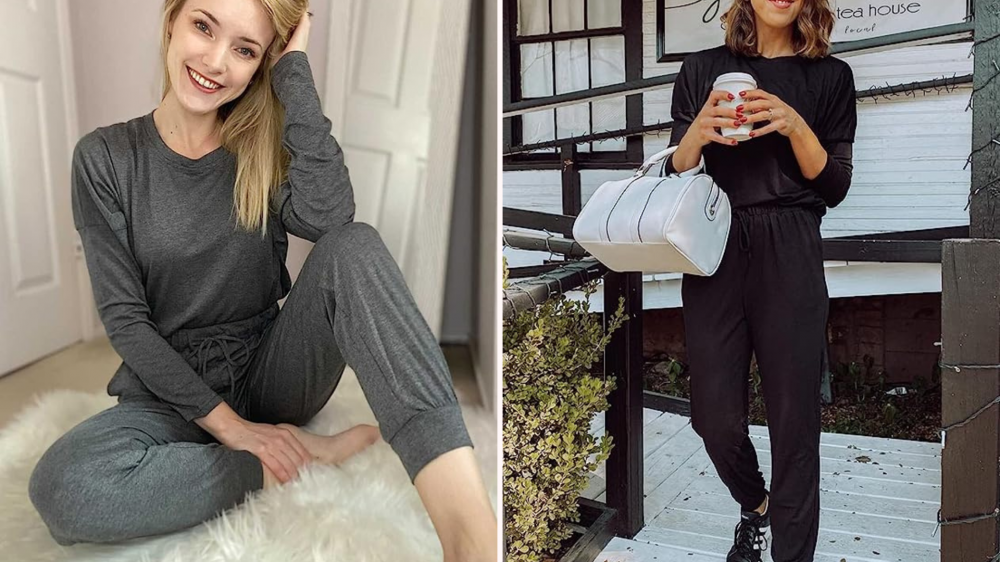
point(317, 195)
point(118, 288)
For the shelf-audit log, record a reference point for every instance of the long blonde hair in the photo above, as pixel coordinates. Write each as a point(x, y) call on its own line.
point(252, 123)
point(810, 36)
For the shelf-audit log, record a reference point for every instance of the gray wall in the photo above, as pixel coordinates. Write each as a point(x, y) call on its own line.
point(116, 66)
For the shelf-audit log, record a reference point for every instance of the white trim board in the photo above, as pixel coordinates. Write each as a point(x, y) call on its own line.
point(843, 279)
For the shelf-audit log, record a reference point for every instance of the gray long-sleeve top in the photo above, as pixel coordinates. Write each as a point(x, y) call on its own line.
point(163, 246)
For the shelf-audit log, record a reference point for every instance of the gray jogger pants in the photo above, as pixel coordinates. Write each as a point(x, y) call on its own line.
point(139, 469)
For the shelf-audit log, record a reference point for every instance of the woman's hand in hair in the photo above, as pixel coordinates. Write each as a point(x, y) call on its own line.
point(764, 106)
point(300, 36)
point(713, 117)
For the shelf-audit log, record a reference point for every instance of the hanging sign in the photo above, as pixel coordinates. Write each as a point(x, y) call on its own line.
point(687, 26)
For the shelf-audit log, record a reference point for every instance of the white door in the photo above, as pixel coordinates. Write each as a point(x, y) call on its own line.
point(394, 85)
point(39, 297)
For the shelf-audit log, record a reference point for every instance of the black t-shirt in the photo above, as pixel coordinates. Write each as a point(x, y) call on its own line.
point(764, 171)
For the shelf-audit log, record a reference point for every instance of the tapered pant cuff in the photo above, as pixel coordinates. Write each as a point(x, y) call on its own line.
point(428, 435)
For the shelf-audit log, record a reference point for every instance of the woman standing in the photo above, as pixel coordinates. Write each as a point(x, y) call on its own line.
point(184, 214)
point(768, 297)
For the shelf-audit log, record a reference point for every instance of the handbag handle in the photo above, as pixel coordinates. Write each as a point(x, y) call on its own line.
point(662, 156)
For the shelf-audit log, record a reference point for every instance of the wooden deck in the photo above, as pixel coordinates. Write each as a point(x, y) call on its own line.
point(879, 497)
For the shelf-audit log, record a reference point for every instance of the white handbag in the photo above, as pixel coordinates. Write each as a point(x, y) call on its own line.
point(673, 224)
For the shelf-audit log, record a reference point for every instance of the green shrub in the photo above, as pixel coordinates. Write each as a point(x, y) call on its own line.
point(549, 398)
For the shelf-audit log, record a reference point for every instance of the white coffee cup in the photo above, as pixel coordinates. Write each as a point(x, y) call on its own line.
point(734, 83)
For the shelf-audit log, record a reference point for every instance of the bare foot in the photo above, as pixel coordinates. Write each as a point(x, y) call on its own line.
point(270, 480)
point(335, 449)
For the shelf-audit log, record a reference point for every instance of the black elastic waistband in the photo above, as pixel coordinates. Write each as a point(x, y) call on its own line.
point(256, 324)
point(758, 210)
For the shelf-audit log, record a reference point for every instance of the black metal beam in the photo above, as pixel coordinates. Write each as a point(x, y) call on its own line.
point(567, 35)
point(536, 220)
point(543, 243)
point(626, 132)
point(572, 196)
point(511, 71)
point(527, 162)
point(532, 270)
point(924, 234)
point(593, 94)
point(632, 19)
point(666, 403)
point(908, 251)
point(597, 535)
point(524, 295)
point(623, 360)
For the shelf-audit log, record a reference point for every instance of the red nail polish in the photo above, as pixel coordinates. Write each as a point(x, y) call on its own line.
point(742, 94)
point(731, 96)
point(743, 119)
point(739, 107)
point(736, 123)
point(751, 133)
point(735, 143)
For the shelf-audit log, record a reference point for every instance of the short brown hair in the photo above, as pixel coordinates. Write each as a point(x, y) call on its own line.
point(810, 36)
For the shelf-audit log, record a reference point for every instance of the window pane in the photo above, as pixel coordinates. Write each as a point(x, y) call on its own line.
point(607, 56)
point(603, 13)
point(567, 15)
point(609, 115)
point(532, 17)
point(536, 70)
point(571, 66)
point(537, 126)
point(574, 120)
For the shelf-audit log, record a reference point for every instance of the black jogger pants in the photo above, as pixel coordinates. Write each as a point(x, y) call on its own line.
point(768, 298)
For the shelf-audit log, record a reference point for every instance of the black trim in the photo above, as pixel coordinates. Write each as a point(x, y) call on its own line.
point(567, 35)
point(632, 19)
point(666, 403)
point(837, 48)
point(532, 270)
point(585, 161)
point(520, 218)
point(572, 192)
point(925, 234)
point(907, 251)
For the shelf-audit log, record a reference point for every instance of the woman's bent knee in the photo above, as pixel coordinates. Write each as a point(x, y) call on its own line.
point(51, 493)
point(353, 237)
point(68, 494)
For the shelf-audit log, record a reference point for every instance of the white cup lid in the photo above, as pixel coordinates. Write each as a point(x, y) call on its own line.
point(735, 77)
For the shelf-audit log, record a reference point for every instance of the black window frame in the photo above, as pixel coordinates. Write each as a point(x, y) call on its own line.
point(631, 30)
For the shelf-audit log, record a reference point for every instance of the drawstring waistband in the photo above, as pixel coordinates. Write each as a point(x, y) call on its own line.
point(744, 227)
point(743, 215)
point(245, 333)
point(219, 340)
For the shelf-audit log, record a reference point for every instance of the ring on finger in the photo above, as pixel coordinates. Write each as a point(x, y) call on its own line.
point(770, 115)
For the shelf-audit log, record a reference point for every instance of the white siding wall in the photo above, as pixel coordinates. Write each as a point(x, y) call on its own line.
point(908, 155)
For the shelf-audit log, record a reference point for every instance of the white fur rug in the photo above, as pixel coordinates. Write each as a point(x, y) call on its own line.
point(363, 510)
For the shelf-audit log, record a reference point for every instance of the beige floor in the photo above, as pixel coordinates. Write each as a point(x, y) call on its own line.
point(88, 367)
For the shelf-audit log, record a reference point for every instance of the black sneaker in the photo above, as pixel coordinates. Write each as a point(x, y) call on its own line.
point(751, 537)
